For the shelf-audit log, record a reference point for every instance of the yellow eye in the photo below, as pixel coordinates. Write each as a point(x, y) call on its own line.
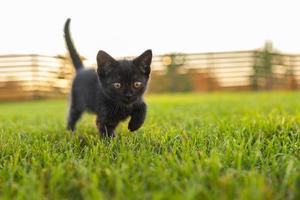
point(117, 85)
point(137, 84)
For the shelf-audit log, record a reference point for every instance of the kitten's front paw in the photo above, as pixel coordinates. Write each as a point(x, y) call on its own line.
point(133, 126)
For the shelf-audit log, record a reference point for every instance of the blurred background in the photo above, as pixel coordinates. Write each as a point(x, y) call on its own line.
point(198, 46)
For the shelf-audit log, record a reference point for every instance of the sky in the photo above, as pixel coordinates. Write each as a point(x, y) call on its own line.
point(127, 28)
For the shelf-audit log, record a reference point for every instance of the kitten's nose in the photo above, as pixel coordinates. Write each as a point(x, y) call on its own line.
point(128, 96)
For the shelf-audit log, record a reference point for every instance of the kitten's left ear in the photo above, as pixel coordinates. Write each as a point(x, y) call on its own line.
point(143, 62)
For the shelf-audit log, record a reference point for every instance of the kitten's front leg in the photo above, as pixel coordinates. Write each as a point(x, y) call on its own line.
point(137, 117)
point(106, 129)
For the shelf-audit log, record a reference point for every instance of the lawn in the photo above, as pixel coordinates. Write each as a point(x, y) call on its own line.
point(192, 146)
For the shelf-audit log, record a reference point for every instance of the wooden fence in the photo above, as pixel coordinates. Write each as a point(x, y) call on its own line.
point(33, 76)
point(38, 76)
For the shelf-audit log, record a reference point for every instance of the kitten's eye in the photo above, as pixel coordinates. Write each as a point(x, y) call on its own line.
point(117, 85)
point(137, 84)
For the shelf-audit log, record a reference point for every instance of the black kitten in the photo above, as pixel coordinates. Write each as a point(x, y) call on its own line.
point(114, 92)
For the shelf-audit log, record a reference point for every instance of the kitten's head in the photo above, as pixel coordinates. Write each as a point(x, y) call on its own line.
point(124, 81)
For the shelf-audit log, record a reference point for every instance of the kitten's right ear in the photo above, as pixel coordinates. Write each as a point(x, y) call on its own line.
point(105, 63)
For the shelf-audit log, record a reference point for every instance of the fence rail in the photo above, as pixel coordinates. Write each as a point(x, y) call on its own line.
point(34, 76)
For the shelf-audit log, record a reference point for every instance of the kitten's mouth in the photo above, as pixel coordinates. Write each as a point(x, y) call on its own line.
point(128, 101)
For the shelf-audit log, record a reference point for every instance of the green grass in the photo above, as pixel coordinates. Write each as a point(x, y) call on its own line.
point(193, 146)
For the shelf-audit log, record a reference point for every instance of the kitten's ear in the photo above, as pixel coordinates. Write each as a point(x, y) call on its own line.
point(105, 63)
point(143, 62)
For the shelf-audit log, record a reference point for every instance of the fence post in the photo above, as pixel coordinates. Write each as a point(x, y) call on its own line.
point(209, 70)
point(34, 74)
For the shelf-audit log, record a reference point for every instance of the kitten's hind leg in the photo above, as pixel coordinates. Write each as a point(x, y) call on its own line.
point(74, 116)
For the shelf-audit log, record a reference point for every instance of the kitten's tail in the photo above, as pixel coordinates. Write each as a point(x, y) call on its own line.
point(72, 50)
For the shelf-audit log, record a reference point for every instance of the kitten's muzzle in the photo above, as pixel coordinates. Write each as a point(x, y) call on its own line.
point(128, 98)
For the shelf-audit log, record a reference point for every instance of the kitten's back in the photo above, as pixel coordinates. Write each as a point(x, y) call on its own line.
point(84, 90)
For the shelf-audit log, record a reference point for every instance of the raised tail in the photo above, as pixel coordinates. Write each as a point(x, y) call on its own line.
point(72, 50)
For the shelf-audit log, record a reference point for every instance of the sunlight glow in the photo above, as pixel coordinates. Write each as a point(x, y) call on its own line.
point(127, 28)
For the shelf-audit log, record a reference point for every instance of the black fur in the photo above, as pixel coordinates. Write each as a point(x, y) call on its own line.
point(114, 92)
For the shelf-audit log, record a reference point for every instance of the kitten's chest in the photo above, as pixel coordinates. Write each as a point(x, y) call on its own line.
point(119, 112)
